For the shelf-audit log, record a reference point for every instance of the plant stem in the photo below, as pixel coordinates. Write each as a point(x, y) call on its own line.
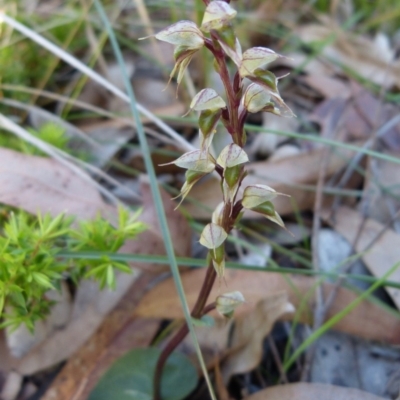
point(231, 211)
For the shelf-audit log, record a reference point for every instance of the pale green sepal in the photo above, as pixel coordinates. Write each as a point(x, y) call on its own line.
point(182, 33)
point(196, 160)
point(207, 99)
point(213, 236)
point(231, 156)
point(256, 57)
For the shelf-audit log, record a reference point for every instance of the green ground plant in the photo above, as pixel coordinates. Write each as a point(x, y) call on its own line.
point(30, 265)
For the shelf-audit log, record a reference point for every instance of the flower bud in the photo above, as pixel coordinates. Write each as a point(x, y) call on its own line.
point(227, 303)
point(230, 44)
point(230, 185)
point(231, 156)
point(254, 58)
point(192, 177)
point(218, 259)
point(208, 121)
point(218, 214)
point(217, 15)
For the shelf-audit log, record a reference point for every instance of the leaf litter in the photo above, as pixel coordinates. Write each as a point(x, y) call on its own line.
point(330, 84)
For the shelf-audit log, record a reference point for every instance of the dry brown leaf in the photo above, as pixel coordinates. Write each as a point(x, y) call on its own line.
point(384, 252)
point(312, 391)
point(119, 332)
point(250, 331)
point(38, 184)
point(368, 320)
point(281, 175)
point(41, 184)
point(372, 59)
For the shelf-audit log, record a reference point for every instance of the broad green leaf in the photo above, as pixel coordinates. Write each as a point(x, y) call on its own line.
point(131, 377)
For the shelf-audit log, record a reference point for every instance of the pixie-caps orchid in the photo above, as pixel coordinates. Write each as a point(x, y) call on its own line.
point(254, 58)
point(227, 303)
point(258, 98)
point(207, 99)
point(213, 236)
point(187, 39)
point(218, 14)
point(231, 156)
point(255, 195)
point(196, 160)
point(182, 33)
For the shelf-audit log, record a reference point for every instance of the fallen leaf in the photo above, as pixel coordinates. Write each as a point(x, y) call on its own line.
point(40, 184)
point(368, 320)
point(245, 350)
point(374, 60)
point(280, 175)
point(312, 391)
point(119, 332)
point(381, 244)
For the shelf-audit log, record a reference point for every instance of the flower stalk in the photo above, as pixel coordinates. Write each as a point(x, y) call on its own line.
point(217, 35)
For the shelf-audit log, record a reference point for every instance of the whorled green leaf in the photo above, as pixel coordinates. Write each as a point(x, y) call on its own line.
point(196, 160)
point(217, 15)
point(254, 58)
point(207, 99)
point(255, 195)
point(182, 33)
point(227, 303)
point(131, 377)
point(213, 236)
point(231, 156)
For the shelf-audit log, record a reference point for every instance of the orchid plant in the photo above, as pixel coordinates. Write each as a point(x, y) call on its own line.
point(259, 93)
